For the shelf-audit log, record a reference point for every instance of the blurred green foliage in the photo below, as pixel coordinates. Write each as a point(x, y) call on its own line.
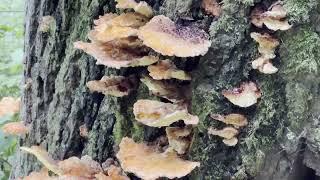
point(11, 58)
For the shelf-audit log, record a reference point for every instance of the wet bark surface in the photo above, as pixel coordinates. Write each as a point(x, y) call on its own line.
point(282, 140)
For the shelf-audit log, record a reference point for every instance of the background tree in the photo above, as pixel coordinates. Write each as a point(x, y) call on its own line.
point(282, 139)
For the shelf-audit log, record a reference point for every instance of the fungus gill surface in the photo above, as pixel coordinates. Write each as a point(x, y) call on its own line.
point(274, 18)
point(244, 96)
point(113, 85)
point(158, 114)
point(179, 138)
point(167, 38)
point(146, 163)
point(142, 7)
point(166, 69)
point(111, 55)
point(15, 128)
point(165, 90)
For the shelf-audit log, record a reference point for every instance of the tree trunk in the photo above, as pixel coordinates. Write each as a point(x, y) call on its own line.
point(281, 141)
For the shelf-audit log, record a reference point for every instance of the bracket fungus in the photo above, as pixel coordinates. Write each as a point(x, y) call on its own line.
point(244, 96)
point(230, 142)
point(111, 27)
point(142, 7)
point(228, 134)
point(117, 86)
point(15, 128)
point(158, 114)
point(111, 55)
point(146, 163)
point(179, 138)
point(84, 167)
point(166, 69)
point(165, 90)
point(167, 38)
point(211, 7)
point(9, 105)
point(237, 120)
point(273, 19)
point(267, 46)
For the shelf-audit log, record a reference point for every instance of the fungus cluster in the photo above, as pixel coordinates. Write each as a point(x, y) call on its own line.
point(234, 122)
point(127, 40)
point(72, 168)
point(273, 19)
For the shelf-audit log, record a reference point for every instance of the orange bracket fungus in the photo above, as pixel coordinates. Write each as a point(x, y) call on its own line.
point(237, 120)
point(244, 96)
point(142, 7)
point(43, 174)
point(158, 114)
point(166, 69)
point(178, 138)
point(146, 163)
point(211, 7)
point(167, 38)
point(113, 85)
point(43, 156)
point(274, 18)
point(15, 128)
point(166, 90)
point(9, 105)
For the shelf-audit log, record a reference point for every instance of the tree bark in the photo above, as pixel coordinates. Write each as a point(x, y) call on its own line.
point(282, 140)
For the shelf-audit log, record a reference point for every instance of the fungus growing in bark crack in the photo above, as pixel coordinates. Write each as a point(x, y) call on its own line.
point(167, 38)
point(166, 69)
point(114, 85)
point(142, 7)
point(112, 27)
point(15, 128)
point(158, 114)
point(83, 131)
point(237, 120)
point(267, 46)
point(146, 163)
point(165, 90)
point(244, 96)
point(43, 156)
point(274, 18)
point(211, 7)
point(179, 138)
point(111, 55)
point(45, 23)
point(9, 105)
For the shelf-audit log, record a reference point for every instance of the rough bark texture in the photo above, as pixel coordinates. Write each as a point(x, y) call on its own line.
point(282, 140)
